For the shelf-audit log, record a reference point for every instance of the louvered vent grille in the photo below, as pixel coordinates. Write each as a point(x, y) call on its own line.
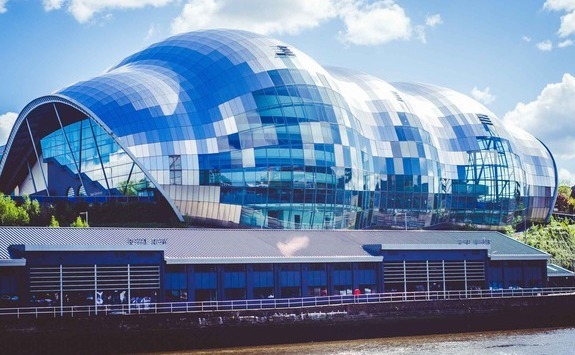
point(87, 278)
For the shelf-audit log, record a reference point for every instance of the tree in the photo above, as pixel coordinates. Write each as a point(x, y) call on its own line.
point(128, 188)
point(54, 222)
point(562, 204)
point(571, 204)
point(11, 214)
point(33, 209)
point(565, 202)
point(564, 190)
point(556, 238)
point(79, 222)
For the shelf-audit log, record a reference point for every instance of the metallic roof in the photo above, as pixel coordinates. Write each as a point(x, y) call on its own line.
point(258, 246)
point(558, 271)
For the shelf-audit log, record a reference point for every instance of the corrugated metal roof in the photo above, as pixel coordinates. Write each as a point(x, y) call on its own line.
point(204, 245)
point(558, 271)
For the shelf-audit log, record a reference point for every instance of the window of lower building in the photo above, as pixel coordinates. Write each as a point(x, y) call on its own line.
point(290, 275)
point(264, 292)
point(236, 279)
point(342, 278)
point(290, 292)
point(366, 277)
point(316, 277)
point(314, 291)
point(175, 283)
point(206, 295)
point(204, 279)
point(100, 284)
point(235, 293)
point(263, 267)
point(343, 289)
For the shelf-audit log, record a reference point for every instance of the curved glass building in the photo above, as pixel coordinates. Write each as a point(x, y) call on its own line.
point(235, 128)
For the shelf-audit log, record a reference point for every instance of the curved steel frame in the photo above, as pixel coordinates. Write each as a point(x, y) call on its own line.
point(556, 192)
point(56, 98)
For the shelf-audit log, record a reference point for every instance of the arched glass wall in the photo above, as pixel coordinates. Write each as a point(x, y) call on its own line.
point(83, 152)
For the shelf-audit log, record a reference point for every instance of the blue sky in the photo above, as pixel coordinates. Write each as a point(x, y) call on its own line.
point(517, 57)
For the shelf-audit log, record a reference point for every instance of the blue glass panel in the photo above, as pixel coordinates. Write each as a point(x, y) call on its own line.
point(226, 103)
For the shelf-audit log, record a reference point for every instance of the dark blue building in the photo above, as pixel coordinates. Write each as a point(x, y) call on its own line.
point(107, 266)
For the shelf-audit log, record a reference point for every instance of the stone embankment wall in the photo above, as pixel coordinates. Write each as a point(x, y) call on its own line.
point(169, 332)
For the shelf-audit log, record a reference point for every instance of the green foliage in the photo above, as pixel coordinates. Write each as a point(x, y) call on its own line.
point(131, 212)
point(33, 209)
point(565, 199)
point(128, 188)
point(509, 230)
point(79, 222)
point(54, 223)
point(562, 203)
point(564, 190)
point(132, 188)
point(556, 238)
point(11, 214)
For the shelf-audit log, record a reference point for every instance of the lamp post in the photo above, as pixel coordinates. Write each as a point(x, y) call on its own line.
point(86, 213)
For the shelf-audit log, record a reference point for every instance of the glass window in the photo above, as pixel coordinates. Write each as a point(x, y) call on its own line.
point(175, 169)
point(175, 162)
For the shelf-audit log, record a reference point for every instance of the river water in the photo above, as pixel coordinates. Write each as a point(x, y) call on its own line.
point(533, 341)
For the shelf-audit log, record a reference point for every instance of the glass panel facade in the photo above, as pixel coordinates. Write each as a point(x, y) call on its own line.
point(235, 131)
point(83, 155)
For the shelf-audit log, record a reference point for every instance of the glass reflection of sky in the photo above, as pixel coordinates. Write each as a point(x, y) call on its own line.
point(103, 161)
point(235, 128)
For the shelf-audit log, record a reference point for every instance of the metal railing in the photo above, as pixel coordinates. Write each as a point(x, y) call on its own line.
point(277, 304)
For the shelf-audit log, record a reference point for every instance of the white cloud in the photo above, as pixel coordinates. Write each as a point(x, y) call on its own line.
point(52, 4)
point(84, 10)
point(364, 23)
point(281, 16)
point(568, 20)
point(433, 20)
point(3, 6)
point(565, 43)
point(545, 46)
point(567, 25)
point(560, 5)
point(567, 176)
point(153, 32)
point(550, 118)
point(430, 21)
point(6, 122)
point(526, 39)
point(420, 34)
point(376, 23)
point(483, 96)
